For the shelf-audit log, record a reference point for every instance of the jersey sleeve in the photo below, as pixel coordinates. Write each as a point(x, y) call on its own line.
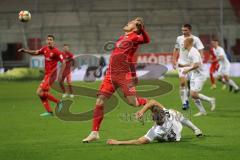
point(177, 44)
point(142, 38)
point(41, 51)
point(199, 44)
point(221, 52)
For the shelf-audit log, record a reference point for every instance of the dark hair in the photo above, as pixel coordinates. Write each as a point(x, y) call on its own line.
point(52, 36)
point(65, 44)
point(187, 26)
point(215, 39)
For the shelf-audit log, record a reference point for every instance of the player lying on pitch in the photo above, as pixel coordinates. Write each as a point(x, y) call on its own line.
point(167, 127)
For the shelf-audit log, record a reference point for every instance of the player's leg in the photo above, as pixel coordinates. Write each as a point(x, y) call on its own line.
point(129, 90)
point(197, 85)
point(69, 83)
point(184, 93)
point(212, 79)
point(98, 115)
point(61, 83)
point(105, 92)
point(186, 122)
point(44, 100)
point(231, 83)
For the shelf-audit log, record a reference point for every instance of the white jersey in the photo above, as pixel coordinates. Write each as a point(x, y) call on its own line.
point(194, 56)
point(197, 43)
point(219, 51)
point(170, 130)
point(198, 76)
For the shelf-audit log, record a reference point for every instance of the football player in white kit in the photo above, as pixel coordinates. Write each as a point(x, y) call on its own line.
point(224, 65)
point(197, 78)
point(167, 127)
point(180, 61)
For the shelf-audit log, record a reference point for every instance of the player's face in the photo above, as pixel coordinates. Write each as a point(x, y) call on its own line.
point(186, 32)
point(50, 41)
point(65, 48)
point(214, 44)
point(131, 26)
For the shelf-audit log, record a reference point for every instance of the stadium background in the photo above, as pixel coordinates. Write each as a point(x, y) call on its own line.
point(87, 25)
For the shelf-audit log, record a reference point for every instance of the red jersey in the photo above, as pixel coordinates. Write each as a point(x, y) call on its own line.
point(213, 57)
point(68, 56)
point(52, 56)
point(121, 59)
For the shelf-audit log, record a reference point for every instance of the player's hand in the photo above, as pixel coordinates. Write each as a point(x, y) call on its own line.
point(112, 141)
point(139, 114)
point(22, 50)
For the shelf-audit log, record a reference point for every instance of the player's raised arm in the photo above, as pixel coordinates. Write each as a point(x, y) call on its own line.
point(143, 37)
point(28, 51)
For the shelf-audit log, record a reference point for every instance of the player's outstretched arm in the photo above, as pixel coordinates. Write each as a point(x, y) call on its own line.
point(141, 140)
point(28, 51)
point(148, 106)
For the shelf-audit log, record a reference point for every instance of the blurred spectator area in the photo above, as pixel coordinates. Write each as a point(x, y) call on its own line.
point(88, 25)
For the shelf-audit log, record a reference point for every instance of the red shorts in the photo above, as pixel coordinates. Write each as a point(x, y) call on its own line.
point(111, 83)
point(214, 67)
point(47, 81)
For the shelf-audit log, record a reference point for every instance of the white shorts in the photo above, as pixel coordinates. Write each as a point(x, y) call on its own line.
point(224, 70)
point(196, 83)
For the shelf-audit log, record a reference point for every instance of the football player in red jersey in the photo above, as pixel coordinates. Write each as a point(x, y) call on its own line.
point(66, 73)
point(213, 68)
point(51, 56)
point(121, 73)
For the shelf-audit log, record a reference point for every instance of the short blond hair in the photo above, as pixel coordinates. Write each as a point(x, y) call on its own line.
point(189, 40)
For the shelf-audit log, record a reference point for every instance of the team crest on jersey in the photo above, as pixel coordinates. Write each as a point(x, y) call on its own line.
point(51, 54)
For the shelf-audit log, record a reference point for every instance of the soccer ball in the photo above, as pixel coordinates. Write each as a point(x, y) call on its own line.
point(24, 16)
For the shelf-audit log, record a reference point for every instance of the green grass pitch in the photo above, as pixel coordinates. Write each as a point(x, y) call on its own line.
point(26, 135)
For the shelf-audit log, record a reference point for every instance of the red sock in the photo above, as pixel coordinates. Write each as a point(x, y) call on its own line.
point(51, 97)
point(97, 117)
point(46, 104)
point(62, 87)
point(212, 78)
point(70, 88)
point(141, 101)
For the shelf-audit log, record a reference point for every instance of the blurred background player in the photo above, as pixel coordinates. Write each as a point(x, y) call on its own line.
point(66, 72)
point(52, 56)
point(197, 78)
point(167, 127)
point(121, 72)
point(213, 68)
point(224, 65)
point(180, 61)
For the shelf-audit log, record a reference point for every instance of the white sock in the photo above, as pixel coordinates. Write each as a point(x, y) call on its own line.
point(186, 94)
point(232, 83)
point(182, 92)
point(204, 98)
point(189, 124)
point(199, 105)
